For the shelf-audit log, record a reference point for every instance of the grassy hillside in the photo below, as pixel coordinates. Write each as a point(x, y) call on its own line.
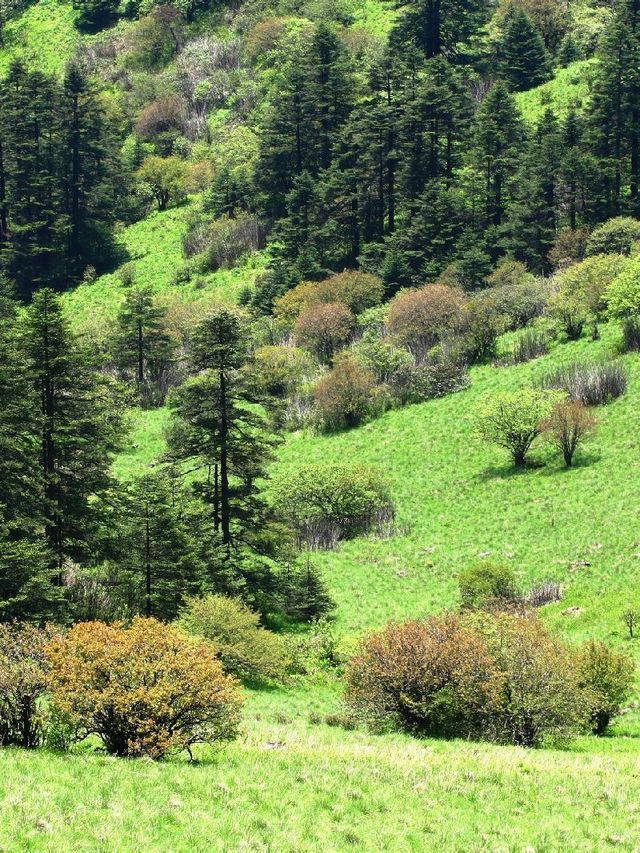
point(568, 88)
point(44, 36)
point(153, 247)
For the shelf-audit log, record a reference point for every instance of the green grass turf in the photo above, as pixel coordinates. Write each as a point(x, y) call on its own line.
point(154, 247)
point(569, 87)
point(44, 36)
point(294, 787)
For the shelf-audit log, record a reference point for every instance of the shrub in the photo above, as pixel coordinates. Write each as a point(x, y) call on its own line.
point(569, 246)
point(616, 236)
point(323, 329)
point(607, 677)
point(542, 697)
point(623, 293)
point(419, 318)
point(434, 677)
point(221, 242)
point(280, 370)
point(510, 273)
point(570, 312)
point(513, 419)
point(517, 304)
point(588, 281)
point(246, 649)
point(23, 683)
point(528, 345)
point(143, 690)
point(567, 426)
point(359, 291)
point(166, 178)
point(346, 396)
point(590, 384)
point(325, 502)
point(487, 584)
point(381, 357)
point(436, 377)
point(480, 328)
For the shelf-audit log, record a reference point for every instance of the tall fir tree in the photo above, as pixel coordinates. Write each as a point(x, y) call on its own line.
point(79, 431)
point(33, 243)
point(26, 588)
point(522, 57)
point(218, 431)
point(158, 554)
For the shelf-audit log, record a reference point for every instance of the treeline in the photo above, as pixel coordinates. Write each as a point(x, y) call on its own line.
point(75, 544)
point(413, 172)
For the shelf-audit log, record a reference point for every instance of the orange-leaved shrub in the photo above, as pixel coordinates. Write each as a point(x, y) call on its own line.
point(418, 319)
point(357, 290)
point(146, 689)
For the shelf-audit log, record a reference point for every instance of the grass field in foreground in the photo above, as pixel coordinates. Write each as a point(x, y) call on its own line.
point(301, 788)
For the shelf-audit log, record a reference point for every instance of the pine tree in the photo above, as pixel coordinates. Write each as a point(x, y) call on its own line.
point(26, 589)
point(499, 140)
point(142, 346)
point(522, 56)
point(33, 245)
point(79, 426)
point(534, 211)
point(89, 175)
point(218, 432)
point(159, 554)
point(438, 26)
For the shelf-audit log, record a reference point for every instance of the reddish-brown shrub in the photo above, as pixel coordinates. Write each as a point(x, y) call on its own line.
point(567, 426)
point(346, 396)
point(419, 318)
point(161, 116)
point(323, 329)
point(434, 677)
point(144, 690)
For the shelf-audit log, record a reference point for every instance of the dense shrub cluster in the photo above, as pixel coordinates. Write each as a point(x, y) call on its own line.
point(499, 677)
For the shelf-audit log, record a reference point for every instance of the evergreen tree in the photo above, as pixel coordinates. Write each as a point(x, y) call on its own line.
point(522, 56)
point(534, 212)
point(34, 229)
point(159, 554)
point(439, 26)
point(79, 426)
point(219, 432)
point(142, 346)
point(89, 175)
point(26, 589)
point(499, 141)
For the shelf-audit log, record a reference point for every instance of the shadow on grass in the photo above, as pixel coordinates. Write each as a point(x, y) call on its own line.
point(509, 471)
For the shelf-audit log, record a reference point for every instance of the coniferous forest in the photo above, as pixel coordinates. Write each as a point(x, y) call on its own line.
point(319, 377)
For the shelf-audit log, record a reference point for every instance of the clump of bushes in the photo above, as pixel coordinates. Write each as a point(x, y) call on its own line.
point(499, 677)
point(592, 384)
point(280, 371)
point(144, 690)
point(418, 319)
point(326, 502)
point(358, 291)
point(246, 649)
point(324, 329)
point(487, 584)
point(24, 680)
point(346, 396)
point(221, 242)
point(616, 236)
point(432, 677)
